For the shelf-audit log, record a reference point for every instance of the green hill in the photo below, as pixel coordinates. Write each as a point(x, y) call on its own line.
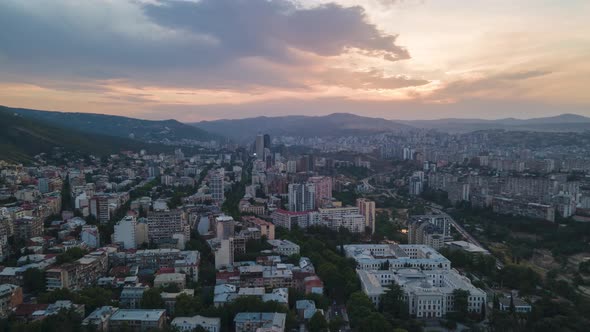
point(22, 138)
point(119, 126)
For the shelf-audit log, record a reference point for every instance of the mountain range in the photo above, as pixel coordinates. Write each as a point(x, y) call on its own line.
point(344, 124)
point(337, 124)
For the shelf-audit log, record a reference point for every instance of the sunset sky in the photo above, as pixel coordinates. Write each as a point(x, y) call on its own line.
point(211, 59)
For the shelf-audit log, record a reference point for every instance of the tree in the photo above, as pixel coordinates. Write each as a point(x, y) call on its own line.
point(187, 305)
point(152, 299)
point(34, 280)
point(393, 302)
point(461, 298)
point(318, 323)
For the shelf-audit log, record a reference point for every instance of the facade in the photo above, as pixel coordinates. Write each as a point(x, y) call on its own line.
point(167, 279)
point(421, 231)
point(515, 207)
point(288, 219)
point(224, 227)
point(224, 255)
point(367, 209)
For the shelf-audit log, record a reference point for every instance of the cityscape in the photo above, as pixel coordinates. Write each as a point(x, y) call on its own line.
point(294, 166)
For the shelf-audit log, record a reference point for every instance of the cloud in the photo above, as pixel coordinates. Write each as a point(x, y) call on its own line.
point(522, 75)
point(227, 44)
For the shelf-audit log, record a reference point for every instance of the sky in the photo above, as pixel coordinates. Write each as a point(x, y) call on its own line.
point(195, 60)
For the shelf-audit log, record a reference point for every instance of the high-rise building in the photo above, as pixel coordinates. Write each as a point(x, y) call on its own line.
point(125, 232)
point(216, 185)
point(266, 141)
point(367, 209)
point(415, 186)
point(224, 255)
point(259, 147)
point(301, 197)
point(323, 190)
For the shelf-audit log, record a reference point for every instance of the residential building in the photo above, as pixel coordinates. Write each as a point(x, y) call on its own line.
point(138, 320)
point(302, 197)
point(131, 296)
point(168, 279)
point(90, 236)
point(323, 189)
point(284, 247)
point(162, 225)
point(520, 306)
point(367, 209)
point(99, 318)
point(266, 228)
point(28, 227)
point(216, 185)
point(10, 297)
point(125, 232)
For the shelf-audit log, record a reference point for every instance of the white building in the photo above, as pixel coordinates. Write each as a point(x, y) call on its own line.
point(90, 236)
point(301, 197)
point(374, 256)
point(188, 324)
point(125, 232)
point(284, 247)
point(224, 255)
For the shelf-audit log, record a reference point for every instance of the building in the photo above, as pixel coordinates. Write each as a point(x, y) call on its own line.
point(11, 296)
point(189, 324)
point(429, 293)
point(162, 225)
point(131, 296)
point(224, 254)
point(288, 219)
point(168, 279)
point(367, 209)
point(516, 207)
point(79, 274)
point(323, 189)
point(284, 247)
point(216, 185)
point(259, 147)
point(266, 228)
point(260, 321)
point(520, 306)
point(90, 236)
point(99, 318)
point(442, 221)
point(374, 256)
point(421, 231)
point(224, 227)
point(28, 227)
point(301, 197)
point(138, 320)
point(125, 232)
point(415, 186)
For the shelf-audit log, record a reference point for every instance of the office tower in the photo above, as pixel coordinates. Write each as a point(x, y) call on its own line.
point(259, 149)
point(367, 209)
point(301, 197)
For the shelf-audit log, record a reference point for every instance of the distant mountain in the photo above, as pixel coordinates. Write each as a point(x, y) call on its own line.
point(337, 124)
point(21, 138)
point(559, 123)
point(119, 126)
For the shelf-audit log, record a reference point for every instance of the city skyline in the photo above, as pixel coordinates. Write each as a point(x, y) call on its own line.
point(207, 60)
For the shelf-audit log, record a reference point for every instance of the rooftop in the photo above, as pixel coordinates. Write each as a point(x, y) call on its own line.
point(138, 314)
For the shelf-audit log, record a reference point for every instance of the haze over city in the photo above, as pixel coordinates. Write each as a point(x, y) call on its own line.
point(213, 59)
